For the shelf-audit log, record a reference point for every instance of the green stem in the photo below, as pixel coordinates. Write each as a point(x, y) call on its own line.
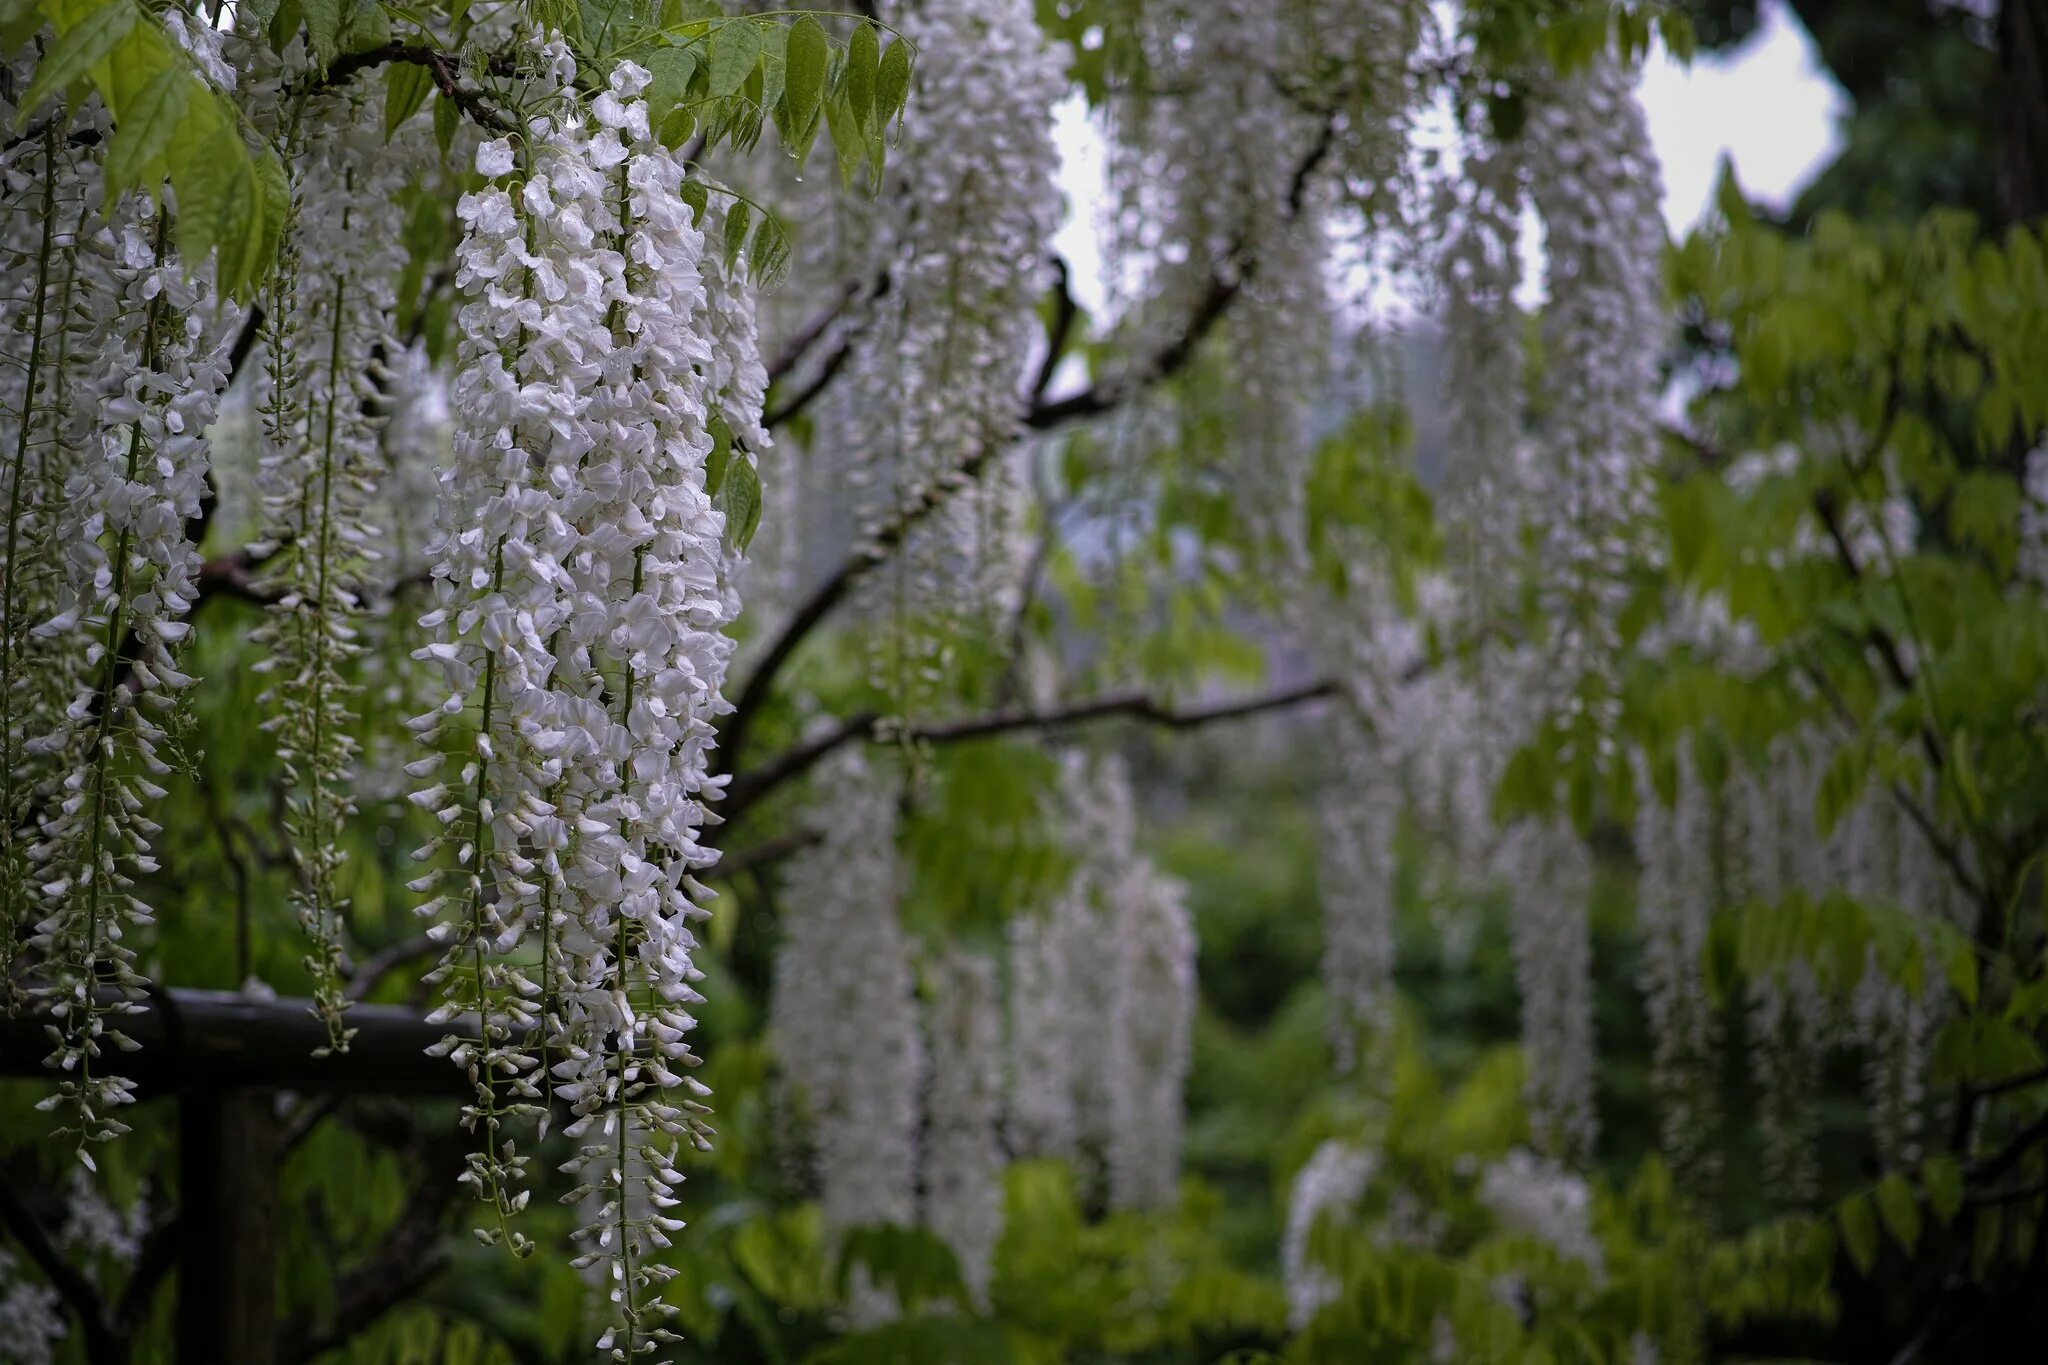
point(102, 742)
point(10, 590)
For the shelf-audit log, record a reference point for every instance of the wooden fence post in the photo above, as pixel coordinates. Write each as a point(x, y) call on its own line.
point(228, 1154)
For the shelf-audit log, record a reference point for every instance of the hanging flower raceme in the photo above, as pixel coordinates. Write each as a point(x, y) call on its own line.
point(1544, 1200)
point(844, 957)
point(579, 605)
point(964, 248)
point(963, 1159)
point(53, 250)
point(1154, 1014)
point(32, 1319)
point(1550, 873)
point(1328, 1186)
point(1477, 271)
point(1360, 817)
point(1680, 850)
point(1787, 1021)
point(1046, 1042)
point(1102, 999)
point(1100, 810)
point(1594, 179)
point(162, 341)
point(329, 336)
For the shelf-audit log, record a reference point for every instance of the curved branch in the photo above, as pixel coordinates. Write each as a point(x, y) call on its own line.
point(1038, 416)
point(412, 1252)
point(793, 351)
point(750, 787)
point(440, 65)
point(1065, 313)
point(102, 1347)
point(793, 354)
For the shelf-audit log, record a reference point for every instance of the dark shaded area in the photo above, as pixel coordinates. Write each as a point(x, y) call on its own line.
point(1950, 106)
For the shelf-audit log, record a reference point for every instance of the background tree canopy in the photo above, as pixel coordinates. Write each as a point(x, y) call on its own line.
point(625, 731)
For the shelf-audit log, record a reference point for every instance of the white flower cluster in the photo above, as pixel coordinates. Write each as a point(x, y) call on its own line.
point(1206, 173)
point(1541, 1198)
point(1678, 890)
point(1361, 813)
point(130, 576)
point(417, 438)
point(737, 379)
point(1102, 1001)
point(843, 1016)
point(963, 1158)
point(1478, 269)
point(94, 1227)
point(1207, 199)
point(1046, 1048)
point(1888, 865)
point(48, 189)
point(32, 1319)
point(1550, 874)
point(1328, 1186)
point(1102, 811)
point(940, 374)
point(328, 333)
point(579, 613)
point(1151, 1027)
point(2033, 555)
point(1595, 180)
point(1787, 1024)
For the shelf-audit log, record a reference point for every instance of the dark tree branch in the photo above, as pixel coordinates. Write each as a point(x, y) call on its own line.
point(154, 1261)
point(1113, 392)
point(245, 342)
point(751, 860)
point(440, 65)
point(1175, 356)
point(802, 399)
point(797, 347)
point(1065, 312)
point(412, 1252)
point(387, 960)
point(799, 402)
point(749, 787)
point(102, 1345)
point(1039, 416)
point(1988, 1170)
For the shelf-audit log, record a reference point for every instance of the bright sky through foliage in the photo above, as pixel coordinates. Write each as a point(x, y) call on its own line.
point(1768, 106)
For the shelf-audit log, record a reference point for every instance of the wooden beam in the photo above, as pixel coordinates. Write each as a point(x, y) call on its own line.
point(195, 1041)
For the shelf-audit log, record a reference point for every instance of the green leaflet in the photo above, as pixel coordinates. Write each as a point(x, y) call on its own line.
point(1859, 1230)
point(735, 47)
point(86, 43)
point(803, 84)
point(137, 156)
point(858, 84)
point(847, 143)
point(323, 28)
point(742, 503)
point(406, 87)
point(669, 70)
point(169, 122)
point(738, 219)
point(1900, 1209)
point(721, 452)
point(892, 82)
point(768, 263)
point(447, 119)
